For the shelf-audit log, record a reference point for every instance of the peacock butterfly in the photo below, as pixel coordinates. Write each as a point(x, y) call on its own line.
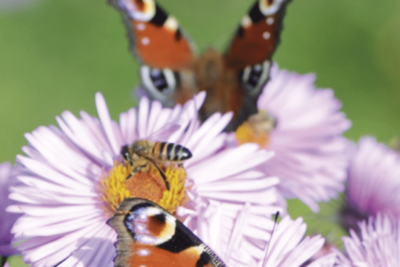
point(149, 236)
point(172, 73)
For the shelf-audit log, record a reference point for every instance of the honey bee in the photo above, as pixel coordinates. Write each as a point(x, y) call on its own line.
point(142, 152)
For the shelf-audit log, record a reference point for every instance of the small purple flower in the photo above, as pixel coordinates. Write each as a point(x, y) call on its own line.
point(378, 244)
point(7, 219)
point(373, 183)
point(311, 155)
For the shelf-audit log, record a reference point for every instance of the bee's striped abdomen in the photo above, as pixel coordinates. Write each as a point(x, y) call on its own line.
point(170, 152)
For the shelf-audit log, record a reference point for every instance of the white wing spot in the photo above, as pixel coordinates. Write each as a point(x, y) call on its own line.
point(141, 27)
point(145, 41)
point(270, 21)
point(246, 21)
point(171, 24)
point(266, 35)
point(143, 252)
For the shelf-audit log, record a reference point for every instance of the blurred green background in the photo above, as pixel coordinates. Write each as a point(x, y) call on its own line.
point(55, 54)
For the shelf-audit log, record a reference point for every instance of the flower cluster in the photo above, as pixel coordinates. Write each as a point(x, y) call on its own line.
point(73, 178)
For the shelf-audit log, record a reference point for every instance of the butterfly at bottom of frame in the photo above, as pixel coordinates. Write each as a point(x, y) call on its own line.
point(150, 236)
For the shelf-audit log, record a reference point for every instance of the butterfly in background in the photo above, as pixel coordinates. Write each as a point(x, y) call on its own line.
point(149, 236)
point(172, 72)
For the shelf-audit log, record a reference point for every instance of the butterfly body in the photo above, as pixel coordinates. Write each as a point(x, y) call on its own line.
point(150, 236)
point(172, 72)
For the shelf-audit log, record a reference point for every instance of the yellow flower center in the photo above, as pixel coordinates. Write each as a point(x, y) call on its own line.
point(114, 187)
point(257, 129)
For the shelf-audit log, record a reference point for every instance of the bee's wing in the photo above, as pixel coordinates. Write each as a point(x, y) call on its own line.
point(163, 133)
point(183, 121)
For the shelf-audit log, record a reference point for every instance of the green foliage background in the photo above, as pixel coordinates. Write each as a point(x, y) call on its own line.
point(55, 54)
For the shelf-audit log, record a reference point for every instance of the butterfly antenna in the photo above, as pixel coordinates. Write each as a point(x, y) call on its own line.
point(270, 239)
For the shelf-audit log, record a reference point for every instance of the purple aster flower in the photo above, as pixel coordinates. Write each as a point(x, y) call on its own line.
point(378, 244)
point(7, 219)
point(373, 183)
point(303, 126)
point(74, 179)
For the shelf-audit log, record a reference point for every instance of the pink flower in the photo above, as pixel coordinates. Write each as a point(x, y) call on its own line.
point(379, 244)
point(74, 179)
point(7, 220)
point(373, 184)
point(311, 155)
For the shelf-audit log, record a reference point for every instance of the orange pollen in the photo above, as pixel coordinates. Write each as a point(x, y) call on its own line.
point(149, 184)
point(257, 129)
point(245, 134)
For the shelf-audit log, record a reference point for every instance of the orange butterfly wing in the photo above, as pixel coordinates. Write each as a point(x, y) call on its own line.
point(258, 35)
point(155, 37)
point(249, 57)
point(150, 236)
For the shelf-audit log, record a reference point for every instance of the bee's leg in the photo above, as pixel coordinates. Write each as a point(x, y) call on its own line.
point(161, 173)
point(129, 176)
point(164, 178)
point(143, 168)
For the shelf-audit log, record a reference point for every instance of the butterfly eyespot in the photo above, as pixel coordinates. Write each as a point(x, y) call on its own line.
point(159, 82)
point(141, 10)
point(270, 7)
point(254, 77)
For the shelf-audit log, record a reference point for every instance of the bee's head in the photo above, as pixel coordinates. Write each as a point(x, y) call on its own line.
point(126, 155)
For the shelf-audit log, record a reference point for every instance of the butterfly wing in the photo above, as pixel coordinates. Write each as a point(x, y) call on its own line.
point(157, 41)
point(249, 55)
point(150, 236)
